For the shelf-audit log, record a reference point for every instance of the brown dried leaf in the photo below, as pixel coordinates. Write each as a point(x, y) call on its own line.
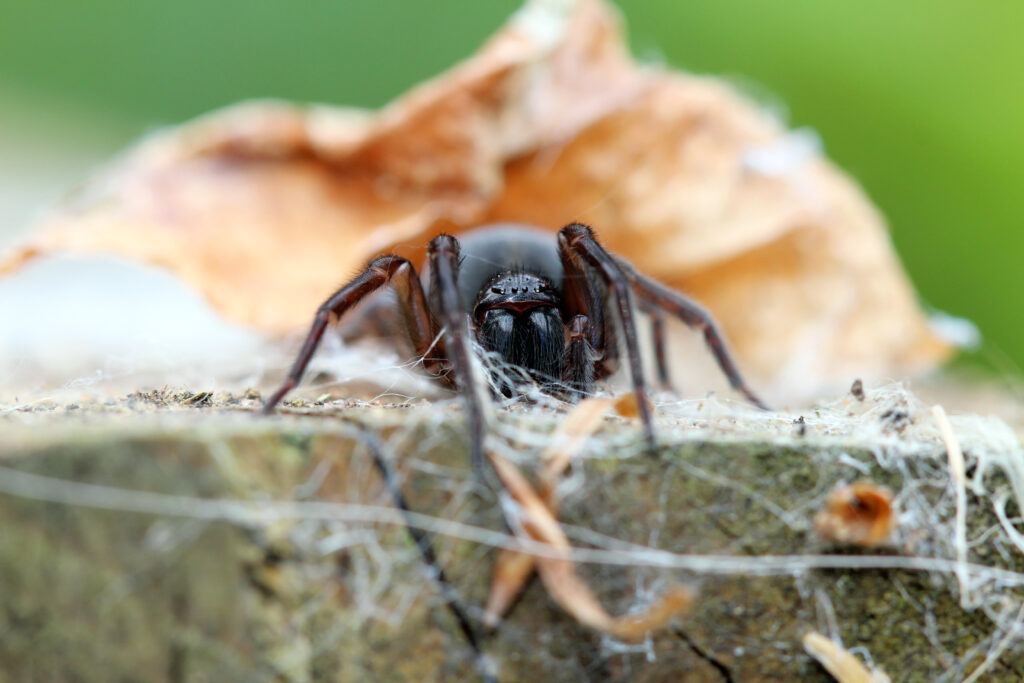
point(859, 514)
point(567, 441)
point(512, 569)
point(559, 574)
point(266, 207)
point(626, 405)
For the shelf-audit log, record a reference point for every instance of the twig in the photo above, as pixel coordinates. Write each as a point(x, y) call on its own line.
point(959, 476)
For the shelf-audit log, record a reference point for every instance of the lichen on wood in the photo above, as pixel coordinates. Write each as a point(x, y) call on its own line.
point(224, 546)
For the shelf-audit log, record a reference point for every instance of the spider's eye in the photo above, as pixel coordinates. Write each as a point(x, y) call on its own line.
point(498, 290)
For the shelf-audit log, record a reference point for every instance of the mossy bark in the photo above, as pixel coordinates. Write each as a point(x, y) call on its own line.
point(130, 593)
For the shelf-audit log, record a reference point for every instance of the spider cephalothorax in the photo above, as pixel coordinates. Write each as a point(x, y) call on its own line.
point(541, 303)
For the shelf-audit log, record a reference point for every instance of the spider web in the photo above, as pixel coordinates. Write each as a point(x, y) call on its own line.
point(333, 588)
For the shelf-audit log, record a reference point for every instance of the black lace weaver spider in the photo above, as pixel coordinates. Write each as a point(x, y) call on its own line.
point(540, 303)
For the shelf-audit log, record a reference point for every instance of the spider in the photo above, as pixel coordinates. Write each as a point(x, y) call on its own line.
point(539, 302)
point(543, 304)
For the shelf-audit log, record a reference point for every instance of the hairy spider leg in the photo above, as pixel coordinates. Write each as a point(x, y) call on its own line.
point(382, 270)
point(443, 253)
point(695, 316)
point(577, 246)
point(578, 371)
point(581, 298)
point(658, 337)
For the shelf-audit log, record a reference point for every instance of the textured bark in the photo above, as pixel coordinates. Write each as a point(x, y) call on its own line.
point(112, 594)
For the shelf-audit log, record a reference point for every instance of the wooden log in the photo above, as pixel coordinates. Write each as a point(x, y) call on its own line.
point(179, 536)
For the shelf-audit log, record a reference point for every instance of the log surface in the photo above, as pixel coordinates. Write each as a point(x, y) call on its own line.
point(178, 536)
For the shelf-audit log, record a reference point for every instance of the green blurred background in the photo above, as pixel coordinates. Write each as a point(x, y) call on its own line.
point(921, 101)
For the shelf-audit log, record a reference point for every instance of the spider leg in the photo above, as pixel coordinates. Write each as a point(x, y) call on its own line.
point(383, 270)
point(443, 253)
point(658, 336)
point(578, 371)
point(583, 298)
point(578, 246)
point(422, 539)
point(694, 315)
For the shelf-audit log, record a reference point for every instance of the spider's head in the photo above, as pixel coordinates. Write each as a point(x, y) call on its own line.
point(517, 316)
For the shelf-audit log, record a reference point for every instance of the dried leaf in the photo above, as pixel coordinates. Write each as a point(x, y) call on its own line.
point(567, 441)
point(266, 207)
point(559, 573)
point(859, 514)
point(626, 405)
point(512, 569)
point(838, 661)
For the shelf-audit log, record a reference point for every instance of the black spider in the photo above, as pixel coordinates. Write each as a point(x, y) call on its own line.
point(541, 303)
